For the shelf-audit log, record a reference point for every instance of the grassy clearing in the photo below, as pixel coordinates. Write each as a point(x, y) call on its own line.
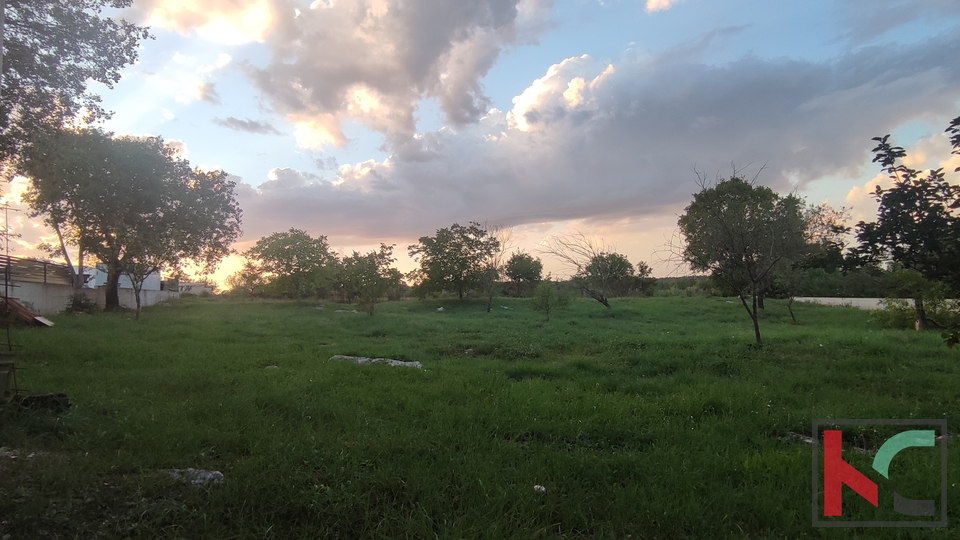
point(656, 419)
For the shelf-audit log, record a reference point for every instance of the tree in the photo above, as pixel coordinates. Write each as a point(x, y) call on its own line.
point(917, 225)
point(298, 263)
point(644, 279)
point(248, 280)
point(493, 263)
point(367, 278)
point(455, 259)
point(744, 234)
point(611, 272)
point(129, 201)
point(826, 237)
point(595, 272)
point(522, 269)
point(52, 50)
point(549, 298)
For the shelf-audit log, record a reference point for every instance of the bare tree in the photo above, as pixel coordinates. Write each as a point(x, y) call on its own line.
point(495, 261)
point(595, 270)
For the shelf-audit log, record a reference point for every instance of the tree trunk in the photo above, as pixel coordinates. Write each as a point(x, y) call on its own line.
point(66, 256)
point(790, 309)
point(81, 279)
point(760, 301)
point(921, 314)
point(753, 316)
point(136, 291)
point(112, 293)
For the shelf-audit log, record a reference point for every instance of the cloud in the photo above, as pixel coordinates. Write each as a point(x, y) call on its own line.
point(179, 146)
point(287, 178)
point(231, 22)
point(373, 61)
point(660, 5)
point(187, 78)
point(869, 19)
point(594, 141)
point(207, 91)
point(250, 126)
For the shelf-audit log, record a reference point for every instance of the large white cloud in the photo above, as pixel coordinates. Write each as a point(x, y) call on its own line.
point(230, 22)
point(593, 141)
point(372, 61)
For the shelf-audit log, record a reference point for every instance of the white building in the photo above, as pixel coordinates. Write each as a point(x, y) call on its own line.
point(97, 277)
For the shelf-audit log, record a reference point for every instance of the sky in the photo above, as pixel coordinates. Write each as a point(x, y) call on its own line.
point(381, 121)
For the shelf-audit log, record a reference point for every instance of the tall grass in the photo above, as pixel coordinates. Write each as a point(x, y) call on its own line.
point(658, 418)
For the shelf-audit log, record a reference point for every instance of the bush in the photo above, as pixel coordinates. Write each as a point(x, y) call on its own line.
point(900, 313)
point(79, 303)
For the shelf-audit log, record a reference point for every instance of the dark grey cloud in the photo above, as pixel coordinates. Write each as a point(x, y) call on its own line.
point(610, 142)
point(249, 126)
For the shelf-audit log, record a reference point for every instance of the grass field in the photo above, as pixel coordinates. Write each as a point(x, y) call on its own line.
point(656, 419)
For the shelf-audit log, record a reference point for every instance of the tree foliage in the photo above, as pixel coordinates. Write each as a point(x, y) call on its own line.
point(549, 298)
point(744, 234)
point(917, 226)
point(455, 259)
point(645, 281)
point(298, 264)
point(130, 201)
point(52, 50)
point(369, 277)
point(596, 272)
point(826, 237)
point(523, 270)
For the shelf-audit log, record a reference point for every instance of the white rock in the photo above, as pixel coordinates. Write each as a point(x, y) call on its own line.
point(364, 360)
point(197, 476)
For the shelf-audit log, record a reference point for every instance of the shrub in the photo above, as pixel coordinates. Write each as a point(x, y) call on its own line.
point(900, 313)
point(79, 303)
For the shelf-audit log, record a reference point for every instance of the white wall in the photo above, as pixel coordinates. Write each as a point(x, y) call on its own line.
point(47, 299)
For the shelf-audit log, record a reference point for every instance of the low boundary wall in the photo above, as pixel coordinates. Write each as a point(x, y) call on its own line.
point(50, 299)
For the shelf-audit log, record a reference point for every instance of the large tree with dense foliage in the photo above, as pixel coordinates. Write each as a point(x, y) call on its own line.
point(296, 263)
point(455, 259)
point(918, 221)
point(52, 50)
point(744, 234)
point(129, 201)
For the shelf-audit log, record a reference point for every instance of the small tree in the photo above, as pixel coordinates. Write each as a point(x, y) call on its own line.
point(522, 269)
point(745, 234)
point(456, 259)
point(596, 272)
point(248, 281)
point(367, 278)
point(548, 298)
point(644, 279)
point(493, 263)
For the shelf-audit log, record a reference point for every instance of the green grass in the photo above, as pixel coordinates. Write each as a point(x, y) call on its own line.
point(656, 419)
